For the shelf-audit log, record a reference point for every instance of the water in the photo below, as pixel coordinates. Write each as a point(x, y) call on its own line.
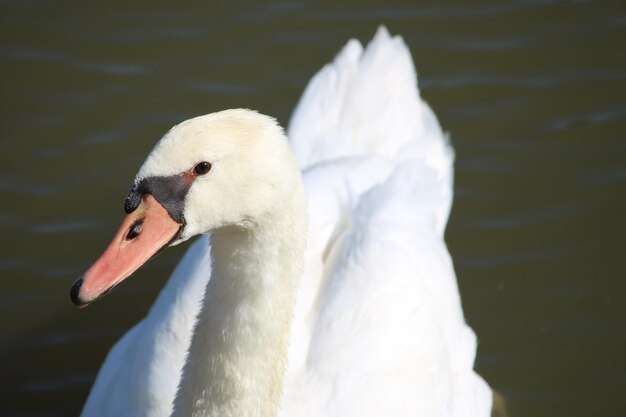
point(532, 93)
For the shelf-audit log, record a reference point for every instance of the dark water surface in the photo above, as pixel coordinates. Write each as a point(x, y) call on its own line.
point(532, 92)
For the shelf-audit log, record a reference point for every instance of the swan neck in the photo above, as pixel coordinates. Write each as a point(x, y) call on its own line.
point(238, 355)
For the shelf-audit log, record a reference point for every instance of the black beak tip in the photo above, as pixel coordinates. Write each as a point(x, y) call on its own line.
point(74, 293)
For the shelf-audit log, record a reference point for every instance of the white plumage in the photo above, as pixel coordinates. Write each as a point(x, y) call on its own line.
point(378, 328)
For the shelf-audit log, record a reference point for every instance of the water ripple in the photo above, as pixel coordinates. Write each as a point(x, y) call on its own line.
point(21, 187)
point(593, 117)
point(10, 221)
point(36, 55)
point(481, 44)
point(222, 88)
point(604, 177)
point(517, 257)
point(551, 80)
point(531, 217)
point(60, 383)
point(64, 226)
point(403, 12)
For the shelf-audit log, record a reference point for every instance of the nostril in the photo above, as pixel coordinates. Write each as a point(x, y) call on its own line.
point(134, 230)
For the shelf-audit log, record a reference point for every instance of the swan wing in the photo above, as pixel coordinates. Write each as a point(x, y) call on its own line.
point(382, 331)
point(378, 327)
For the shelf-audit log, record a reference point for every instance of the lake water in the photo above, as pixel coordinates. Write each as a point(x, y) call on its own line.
point(532, 93)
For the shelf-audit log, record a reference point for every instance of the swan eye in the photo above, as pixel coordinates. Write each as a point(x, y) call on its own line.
point(202, 168)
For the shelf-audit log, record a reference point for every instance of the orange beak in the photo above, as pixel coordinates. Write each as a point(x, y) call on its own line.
point(143, 233)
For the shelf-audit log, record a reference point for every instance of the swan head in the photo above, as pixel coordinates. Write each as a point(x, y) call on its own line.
point(222, 172)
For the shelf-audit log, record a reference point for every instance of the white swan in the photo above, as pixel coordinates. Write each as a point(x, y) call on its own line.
point(373, 327)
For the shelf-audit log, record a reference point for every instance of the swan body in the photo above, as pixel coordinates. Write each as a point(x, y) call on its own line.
point(357, 314)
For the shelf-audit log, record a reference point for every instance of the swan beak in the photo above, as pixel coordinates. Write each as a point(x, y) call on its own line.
point(143, 233)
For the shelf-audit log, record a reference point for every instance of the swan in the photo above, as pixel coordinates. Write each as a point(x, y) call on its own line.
point(325, 287)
